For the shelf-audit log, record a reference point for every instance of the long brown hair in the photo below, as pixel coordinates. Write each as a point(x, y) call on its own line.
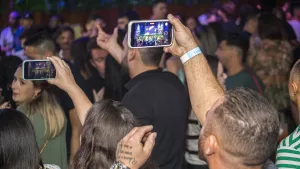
point(107, 122)
point(46, 104)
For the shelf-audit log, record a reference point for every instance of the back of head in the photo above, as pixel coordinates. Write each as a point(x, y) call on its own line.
point(151, 56)
point(43, 42)
point(107, 122)
point(270, 27)
point(18, 146)
point(247, 127)
point(239, 42)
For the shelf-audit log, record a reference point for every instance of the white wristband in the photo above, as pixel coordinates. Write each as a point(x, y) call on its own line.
point(189, 55)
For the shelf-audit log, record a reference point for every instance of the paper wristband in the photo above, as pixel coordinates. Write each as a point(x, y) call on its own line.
point(189, 55)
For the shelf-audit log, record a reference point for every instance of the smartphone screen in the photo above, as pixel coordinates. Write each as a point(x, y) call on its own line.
point(150, 33)
point(38, 70)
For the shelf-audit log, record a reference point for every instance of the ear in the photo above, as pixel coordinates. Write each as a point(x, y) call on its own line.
point(92, 63)
point(295, 87)
point(37, 91)
point(212, 145)
point(132, 53)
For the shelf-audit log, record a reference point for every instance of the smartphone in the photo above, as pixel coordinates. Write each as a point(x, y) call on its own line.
point(150, 33)
point(38, 70)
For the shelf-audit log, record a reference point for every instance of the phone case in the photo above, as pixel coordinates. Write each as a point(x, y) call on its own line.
point(139, 21)
point(23, 69)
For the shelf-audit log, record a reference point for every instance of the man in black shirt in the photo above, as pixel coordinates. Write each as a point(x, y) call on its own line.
point(40, 46)
point(157, 98)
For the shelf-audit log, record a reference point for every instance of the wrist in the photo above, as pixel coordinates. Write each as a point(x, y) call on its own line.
point(190, 54)
point(73, 88)
point(190, 47)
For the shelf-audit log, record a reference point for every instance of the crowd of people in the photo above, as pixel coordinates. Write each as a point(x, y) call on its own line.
point(223, 95)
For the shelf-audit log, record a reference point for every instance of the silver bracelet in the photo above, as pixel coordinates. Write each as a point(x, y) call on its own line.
point(119, 165)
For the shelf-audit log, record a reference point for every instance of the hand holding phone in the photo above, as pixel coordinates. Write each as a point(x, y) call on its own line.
point(38, 70)
point(183, 38)
point(64, 78)
point(150, 33)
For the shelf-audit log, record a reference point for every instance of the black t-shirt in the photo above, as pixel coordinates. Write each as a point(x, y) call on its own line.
point(160, 99)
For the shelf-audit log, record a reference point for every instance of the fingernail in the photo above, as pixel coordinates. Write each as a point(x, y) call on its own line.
point(154, 135)
point(171, 16)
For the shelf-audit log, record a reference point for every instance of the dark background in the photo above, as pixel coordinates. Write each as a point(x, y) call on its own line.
point(107, 9)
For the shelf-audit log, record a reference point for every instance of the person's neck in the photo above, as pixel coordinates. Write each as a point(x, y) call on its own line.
point(234, 68)
point(224, 164)
point(67, 54)
point(141, 69)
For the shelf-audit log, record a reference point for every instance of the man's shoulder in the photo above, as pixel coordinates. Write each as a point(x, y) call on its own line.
point(292, 141)
point(269, 165)
point(288, 151)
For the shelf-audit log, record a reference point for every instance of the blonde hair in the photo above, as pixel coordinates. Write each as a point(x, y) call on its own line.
point(45, 103)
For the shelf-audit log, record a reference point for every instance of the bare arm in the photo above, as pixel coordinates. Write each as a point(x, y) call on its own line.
point(76, 131)
point(204, 89)
point(81, 102)
point(65, 81)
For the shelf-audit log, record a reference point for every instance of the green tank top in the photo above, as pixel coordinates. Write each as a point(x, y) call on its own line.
point(55, 151)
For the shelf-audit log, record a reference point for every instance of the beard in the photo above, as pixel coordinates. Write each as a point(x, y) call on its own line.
point(201, 154)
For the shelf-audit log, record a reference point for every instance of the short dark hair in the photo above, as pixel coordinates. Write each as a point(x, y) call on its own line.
point(151, 56)
point(296, 72)
point(33, 30)
point(42, 41)
point(18, 146)
point(270, 27)
point(248, 126)
point(64, 29)
point(158, 2)
point(238, 41)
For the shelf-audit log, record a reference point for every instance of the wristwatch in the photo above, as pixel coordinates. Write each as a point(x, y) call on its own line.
point(119, 165)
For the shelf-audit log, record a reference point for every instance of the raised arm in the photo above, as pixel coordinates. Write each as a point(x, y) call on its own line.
point(203, 88)
point(65, 81)
point(109, 43)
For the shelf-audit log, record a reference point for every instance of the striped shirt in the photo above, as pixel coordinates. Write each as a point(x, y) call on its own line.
point(288, 152)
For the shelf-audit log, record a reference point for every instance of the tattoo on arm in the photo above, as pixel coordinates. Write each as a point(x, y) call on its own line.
point(125, 153)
